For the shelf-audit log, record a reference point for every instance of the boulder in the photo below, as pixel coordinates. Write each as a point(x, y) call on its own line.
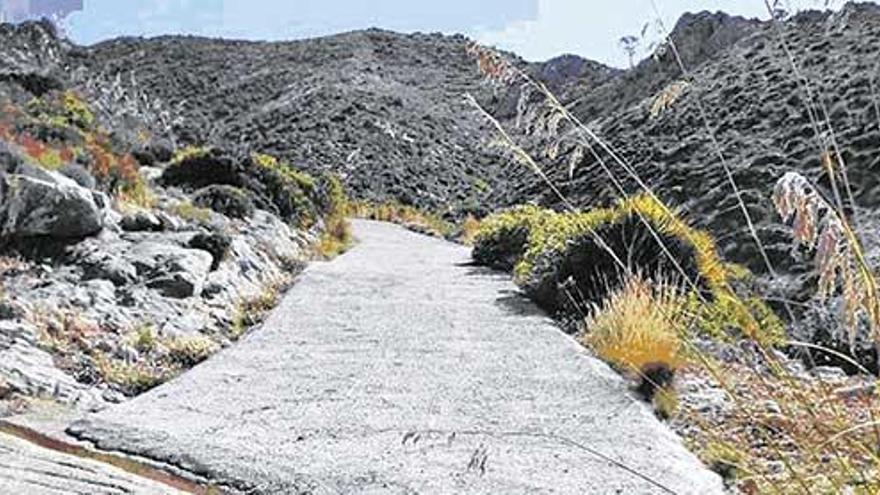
point(48, 205)
point(173, 271)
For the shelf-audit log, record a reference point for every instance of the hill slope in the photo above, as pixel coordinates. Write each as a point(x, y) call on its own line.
point(385, 111)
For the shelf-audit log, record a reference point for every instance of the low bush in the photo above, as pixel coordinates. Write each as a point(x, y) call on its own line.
point(564, 262)
point(227, 200)
point(58, 131)
point(272, 185)
point(503, 238)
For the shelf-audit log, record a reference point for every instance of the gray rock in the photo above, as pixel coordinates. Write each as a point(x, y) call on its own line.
point(30, 370)
point(174, 271)
point(141, 220)
point(56, 207)
point(105, 261)
point(26, 468)
point(79, 174)
point(828, 372)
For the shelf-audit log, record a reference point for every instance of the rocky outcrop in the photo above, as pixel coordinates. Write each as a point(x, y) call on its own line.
point(47, 204)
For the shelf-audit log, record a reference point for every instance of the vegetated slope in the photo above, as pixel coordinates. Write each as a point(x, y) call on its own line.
point(382, 109)
point(757, 111)
point(385, 110)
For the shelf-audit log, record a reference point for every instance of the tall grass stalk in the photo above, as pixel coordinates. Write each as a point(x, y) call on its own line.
point(813, 442)
point(495, 68)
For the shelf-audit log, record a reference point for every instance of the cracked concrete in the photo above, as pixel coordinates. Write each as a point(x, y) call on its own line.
point(398, 368)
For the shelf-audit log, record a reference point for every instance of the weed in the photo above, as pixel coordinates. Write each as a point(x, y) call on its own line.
point(192, 213)
point(252, 311)
point(131, 378)
point(145, 338)
point(190, 351)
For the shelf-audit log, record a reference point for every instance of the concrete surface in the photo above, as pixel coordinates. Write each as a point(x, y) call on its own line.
point(27, 469)
point(398, 368)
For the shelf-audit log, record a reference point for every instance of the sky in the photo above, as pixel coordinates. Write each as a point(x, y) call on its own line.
point(534, 29)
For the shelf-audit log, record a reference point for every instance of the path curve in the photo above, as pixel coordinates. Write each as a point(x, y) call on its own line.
point(398, 368)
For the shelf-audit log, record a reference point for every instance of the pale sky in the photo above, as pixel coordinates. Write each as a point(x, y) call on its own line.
point(534, 29)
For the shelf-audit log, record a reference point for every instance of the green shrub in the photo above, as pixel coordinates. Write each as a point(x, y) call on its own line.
point(562, 261)
point(227, 200)
point(189, 152)
point(503, 238)
point(190, 212)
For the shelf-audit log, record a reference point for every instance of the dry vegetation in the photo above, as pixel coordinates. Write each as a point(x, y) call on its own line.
point(779, 429)
point(29, 131)
point(463, 231)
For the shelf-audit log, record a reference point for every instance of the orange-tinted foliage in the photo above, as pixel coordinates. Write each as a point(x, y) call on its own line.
point(102, 162)
point(66, 154)
point(127, 168)
point(32, 147)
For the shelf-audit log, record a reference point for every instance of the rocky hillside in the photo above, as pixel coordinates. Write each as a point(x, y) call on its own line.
point(384, 111)
point(757, 111)
point(118, 275)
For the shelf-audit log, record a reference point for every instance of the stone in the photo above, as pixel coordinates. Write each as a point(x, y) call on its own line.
point(216, 244)
point(173, 271)
point(56, 207)
point(141, 220)
point(29, 370)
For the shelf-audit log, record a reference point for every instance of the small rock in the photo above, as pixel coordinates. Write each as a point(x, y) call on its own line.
point(828, 372)
point(113, 396)
point(141, 221)
point(771, 407)
point(169, 222)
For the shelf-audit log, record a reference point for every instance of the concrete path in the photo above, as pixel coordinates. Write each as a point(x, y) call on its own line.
point(397, 368)
point(27, 469)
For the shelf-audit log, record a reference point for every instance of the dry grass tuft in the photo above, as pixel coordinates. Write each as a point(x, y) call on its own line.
point(191, 213)
point(666, 98)
point(337, 236)
point(253, 311)
point(639, 326)
point(190, 351)
point(468, 230)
